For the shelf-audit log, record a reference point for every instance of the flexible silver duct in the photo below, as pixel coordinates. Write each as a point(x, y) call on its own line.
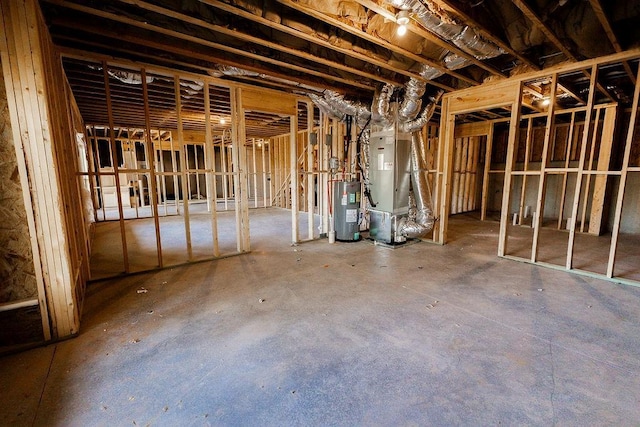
point(454, 62)
point(427, 5)
point(128, 77)
point(420, 219)
point(425, 115)
point(439, 22)
point(228, 70)
point(381, 107)
point(472, 43)
point(366, 155)
point(350, 108)
point(429, 72)
point(324, 106)
point(413, 91)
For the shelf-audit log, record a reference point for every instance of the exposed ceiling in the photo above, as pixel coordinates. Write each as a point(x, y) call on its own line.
point(350, 47)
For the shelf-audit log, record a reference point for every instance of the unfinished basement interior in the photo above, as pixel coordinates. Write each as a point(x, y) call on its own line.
point(332, 212)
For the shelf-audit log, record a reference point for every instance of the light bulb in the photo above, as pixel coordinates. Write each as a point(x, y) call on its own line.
point(222, 120)
point(546, 102)
point(402, 30)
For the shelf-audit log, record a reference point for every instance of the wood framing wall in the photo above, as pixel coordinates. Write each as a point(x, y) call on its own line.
point(44, 123)
point(19, 311)
point(563, 173)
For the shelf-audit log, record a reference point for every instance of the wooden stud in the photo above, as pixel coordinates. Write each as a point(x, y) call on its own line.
point(150, 153)
point(293, 162)
point(447, 129)
point(539, 212)
point(225, 173)
point(565, 175)
point(183, 170)
point(623, 179)
point(487, 168)
point(585, 139)
point(600, 180)
point(264, 173)
point(17, 102)
point(323, 160)
point(210, 164)
point(271, 170)
point(527, 157)
point(514, 125)
point(116, 167)
point(592, 153)
point(241, 168)
point(255, 173)
point(310, 173)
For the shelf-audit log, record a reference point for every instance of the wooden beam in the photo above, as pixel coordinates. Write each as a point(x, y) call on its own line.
point(252, 39)
point(377, 40)
point(532, 16)
point(449, 6)
point(304, 36)
point(192, 39)
point(431, 36)
point(606, 25)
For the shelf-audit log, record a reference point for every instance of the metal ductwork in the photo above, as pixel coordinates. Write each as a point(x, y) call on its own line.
point(349, 108)
point(413, 92)
point(325, 107)
point(420, 219)
point(439, 22)
point(228, 70)
point(127, 77)
point(425, 116)
point(381, 107)
point(393, 168)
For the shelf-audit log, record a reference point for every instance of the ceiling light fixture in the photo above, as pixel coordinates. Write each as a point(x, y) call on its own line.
point(222, 120)
point(402, 19)
point(546, 101)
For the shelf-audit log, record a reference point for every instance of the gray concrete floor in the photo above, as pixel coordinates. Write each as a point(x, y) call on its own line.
point(107, 259)
point(344, 334)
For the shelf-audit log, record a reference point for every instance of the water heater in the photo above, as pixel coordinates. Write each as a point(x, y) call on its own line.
point(346, 206)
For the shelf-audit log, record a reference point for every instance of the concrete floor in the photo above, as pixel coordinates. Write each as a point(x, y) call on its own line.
point(107, 258)
point(344, 334)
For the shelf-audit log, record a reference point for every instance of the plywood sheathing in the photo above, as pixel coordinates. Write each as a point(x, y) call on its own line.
point(17, 276)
